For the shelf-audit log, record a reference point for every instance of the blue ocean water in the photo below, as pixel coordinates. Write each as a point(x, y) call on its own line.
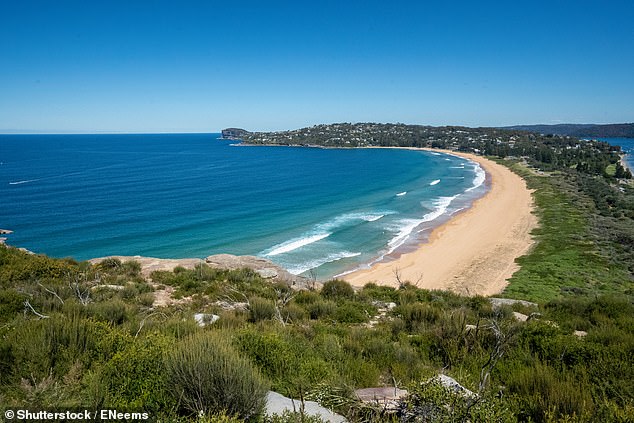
point(193, 195)
point(627, 146)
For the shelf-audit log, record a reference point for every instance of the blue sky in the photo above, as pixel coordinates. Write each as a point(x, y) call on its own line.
point(165, 66)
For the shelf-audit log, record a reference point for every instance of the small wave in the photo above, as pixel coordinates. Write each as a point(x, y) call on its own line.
point(323, 230)
point(296, 243)
point(434, 182)
point(479, 178)
point(313, 264)
point(373, 218)
point(23, 182)
point(400, 194)
point(441, 205)
point(456, 167)
point(404, 228)
point(347, 219)
point(435, 154)
point(448, 160)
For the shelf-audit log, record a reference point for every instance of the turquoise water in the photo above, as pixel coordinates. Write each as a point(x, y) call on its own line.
point(193, 195)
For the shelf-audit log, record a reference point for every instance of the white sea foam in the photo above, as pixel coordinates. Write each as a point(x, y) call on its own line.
point(400, 194)
point(348, 218)
point(296, 243)
point(405, 228)
point(479, 178)
point(373, 218)
point(23, 182)
point(323, 230)
point(313, 264)
point(434, 182)
point(441, 205)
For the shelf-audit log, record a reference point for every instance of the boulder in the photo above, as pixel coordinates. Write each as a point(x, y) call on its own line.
point(204, 319)
point(453, 385)
point(278, 404)
point(499, 302)
point(387, 397)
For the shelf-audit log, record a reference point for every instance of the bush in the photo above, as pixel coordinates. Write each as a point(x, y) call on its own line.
point(210, 377)
point(337, 290)
point(321, 308)
point(260, 309)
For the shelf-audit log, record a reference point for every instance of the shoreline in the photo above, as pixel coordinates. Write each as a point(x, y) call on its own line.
point(474, 252)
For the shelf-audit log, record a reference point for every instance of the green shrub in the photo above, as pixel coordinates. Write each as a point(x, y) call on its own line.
point(261, 309)
point(114, 311)
point(293, 313)
point(337, 289)
point(320, 309)
point(353, 312)
point(135, 378)
point(110, 264)
point(209, 376)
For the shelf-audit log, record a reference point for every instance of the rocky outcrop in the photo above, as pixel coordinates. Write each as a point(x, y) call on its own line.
point(278, 404)
point(499, 302)
point(387, 398)
point(265, 268)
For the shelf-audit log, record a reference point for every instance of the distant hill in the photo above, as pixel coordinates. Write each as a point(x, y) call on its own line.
point(613, 130)
point(234, 133)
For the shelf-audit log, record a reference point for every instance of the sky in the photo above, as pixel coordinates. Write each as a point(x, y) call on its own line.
point(188, 66)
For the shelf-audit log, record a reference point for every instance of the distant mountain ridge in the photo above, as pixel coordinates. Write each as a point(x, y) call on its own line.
point(613, 130)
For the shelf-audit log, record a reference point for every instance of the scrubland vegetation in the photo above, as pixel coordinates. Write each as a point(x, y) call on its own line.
point(75, 335)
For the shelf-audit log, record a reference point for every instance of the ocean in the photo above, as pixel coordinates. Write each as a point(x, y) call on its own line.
point(627, 146)
point(313, 211)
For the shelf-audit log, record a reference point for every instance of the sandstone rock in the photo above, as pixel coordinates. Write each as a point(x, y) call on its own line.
point(499, 302)
point(204, 319)
point(386, 397)
point(580, 333)
point(267, 273)
point(265, 268)
point(278, 404)
point(451, 383)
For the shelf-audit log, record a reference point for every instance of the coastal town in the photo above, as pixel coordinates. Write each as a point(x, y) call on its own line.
point(545, 151)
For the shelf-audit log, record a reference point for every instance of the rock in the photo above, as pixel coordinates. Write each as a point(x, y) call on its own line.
point(451, 384)
point(150, 264)
point(267, 273)
point(383, 305)
point(265, 268)
point(5, 232)
point(387, 397)
point(278, 404)
point(520, 317)
point(580, 333)
point(469, 328)
point(499, 302)
point(107, 286)
point(205, 319)
point(226, 305)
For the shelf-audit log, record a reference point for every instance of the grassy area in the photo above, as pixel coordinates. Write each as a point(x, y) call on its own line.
point(566, 259)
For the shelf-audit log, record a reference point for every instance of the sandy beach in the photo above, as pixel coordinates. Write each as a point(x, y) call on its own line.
point(473, 253)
